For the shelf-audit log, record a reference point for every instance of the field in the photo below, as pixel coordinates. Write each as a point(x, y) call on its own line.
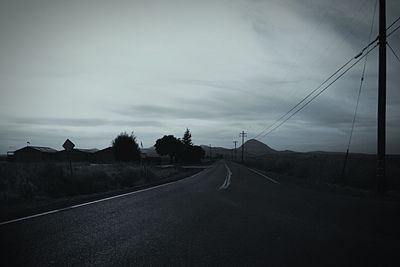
point(26, 182)
point(323, 167)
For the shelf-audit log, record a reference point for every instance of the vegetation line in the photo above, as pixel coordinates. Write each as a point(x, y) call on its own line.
point(95, 201)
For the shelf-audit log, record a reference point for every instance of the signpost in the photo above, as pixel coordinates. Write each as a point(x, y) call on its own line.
point(68, 146)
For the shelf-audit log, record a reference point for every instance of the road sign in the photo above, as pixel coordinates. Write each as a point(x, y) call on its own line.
point(68, 145)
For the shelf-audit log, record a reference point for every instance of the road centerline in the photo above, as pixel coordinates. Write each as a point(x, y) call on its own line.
point(227, 181)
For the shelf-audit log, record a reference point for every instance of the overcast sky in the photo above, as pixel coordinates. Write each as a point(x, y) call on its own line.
point(88, 70)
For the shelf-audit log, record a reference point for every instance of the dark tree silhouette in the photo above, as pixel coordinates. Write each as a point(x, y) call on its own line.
point(169, 145)
point(182, 150)
point(125, 147)
point(187, 138)
point(191, 153)
point(194, 153)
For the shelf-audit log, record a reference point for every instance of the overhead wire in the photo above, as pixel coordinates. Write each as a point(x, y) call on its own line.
point(390, 33)
point(358, 97)
point(320, 92)
point(362, 78)
point(294, 64)
point(394, 22)
point(305, 98)
point(394, 53)
point(316, 89)
point(263, 134)
point(296, 59)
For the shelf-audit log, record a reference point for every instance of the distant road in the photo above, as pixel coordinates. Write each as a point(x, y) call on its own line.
point(225, 215)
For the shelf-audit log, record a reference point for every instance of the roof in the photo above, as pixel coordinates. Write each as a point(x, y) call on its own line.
point(107, 149)
point(39, 148)
point(90, 150)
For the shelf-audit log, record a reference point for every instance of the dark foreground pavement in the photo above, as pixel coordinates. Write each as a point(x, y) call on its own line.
point(210, 219)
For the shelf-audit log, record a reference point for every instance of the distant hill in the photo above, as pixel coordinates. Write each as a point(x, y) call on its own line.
point(150, 152)
point(257, 148)
point(252, 147)
point(217, 150)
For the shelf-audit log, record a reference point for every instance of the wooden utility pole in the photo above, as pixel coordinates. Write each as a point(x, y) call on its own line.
point(243, 135)
point(210, 152)
point(235, 142)
point(381, 175)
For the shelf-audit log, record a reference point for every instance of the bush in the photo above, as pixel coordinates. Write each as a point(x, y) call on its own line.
point(26, 181)
point(125, 147)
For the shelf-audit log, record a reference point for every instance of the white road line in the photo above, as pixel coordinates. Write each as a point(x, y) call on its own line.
point(259, 173)
point(95, 201)
point(227, 181)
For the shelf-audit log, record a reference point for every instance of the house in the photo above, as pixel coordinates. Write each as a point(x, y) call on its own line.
point(35, 154)
point(105, 155)
point(150, 156)
point(77, 154)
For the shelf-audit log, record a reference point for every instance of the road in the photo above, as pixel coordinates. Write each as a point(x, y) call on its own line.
point(224, 215)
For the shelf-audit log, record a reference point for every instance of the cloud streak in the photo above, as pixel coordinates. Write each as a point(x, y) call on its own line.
point(86, 68)
point(82, 122)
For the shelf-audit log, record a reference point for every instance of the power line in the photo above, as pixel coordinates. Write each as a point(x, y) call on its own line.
point(394, 53)
point(320, 92)
point(296, 57)
point(390, 33)
point(358, 96)
point(362, 80)
point(315, 90)
point(394, 22)
point(304, 99)
point(267, 129)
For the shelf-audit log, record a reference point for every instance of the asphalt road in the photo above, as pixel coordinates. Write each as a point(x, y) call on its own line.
point(225, 215)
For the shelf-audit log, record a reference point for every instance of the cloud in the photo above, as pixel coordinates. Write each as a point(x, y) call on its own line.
point(82, 122)
point(218, 67)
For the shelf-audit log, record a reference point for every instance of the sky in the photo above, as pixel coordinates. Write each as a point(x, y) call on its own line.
point(88, 70)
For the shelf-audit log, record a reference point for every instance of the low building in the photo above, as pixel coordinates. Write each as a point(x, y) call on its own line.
point(77, 155)
point(105, 155)
point(35, 154)
point(10, 156)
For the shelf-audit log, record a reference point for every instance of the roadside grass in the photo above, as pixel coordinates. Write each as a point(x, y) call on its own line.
point(319, 168)
point(22, 182)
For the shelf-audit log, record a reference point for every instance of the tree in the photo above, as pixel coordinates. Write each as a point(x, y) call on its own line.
point(169, 145)
point(194, 153)
point(190, 152)
point(187, 138)
point(177, 149)
point(125, 147)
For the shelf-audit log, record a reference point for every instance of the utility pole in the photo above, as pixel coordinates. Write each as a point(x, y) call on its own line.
point(210, 152)
point(243, 135)
point(381, 176)
point(235, 142)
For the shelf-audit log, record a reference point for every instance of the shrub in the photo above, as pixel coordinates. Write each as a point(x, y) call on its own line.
point(125, 147)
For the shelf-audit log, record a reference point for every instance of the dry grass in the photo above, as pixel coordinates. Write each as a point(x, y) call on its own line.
point(27, 181)
point(327, 168)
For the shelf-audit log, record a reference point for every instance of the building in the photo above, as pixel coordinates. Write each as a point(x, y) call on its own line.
point(35, 154)
point(105, 155)
point(77, 154)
